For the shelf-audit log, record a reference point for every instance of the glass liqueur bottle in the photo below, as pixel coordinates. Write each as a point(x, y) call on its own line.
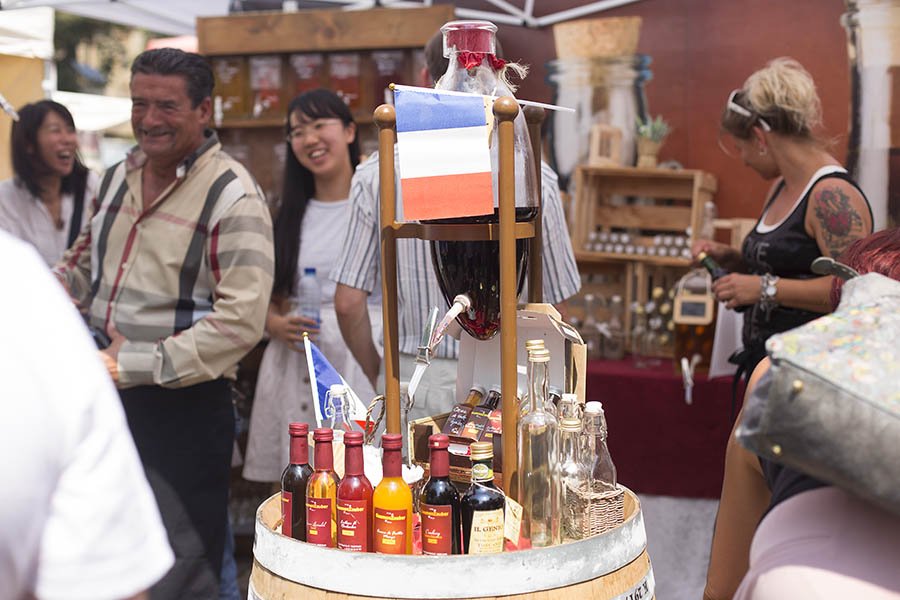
point(354, 499)
point(293, 484)
point(601, 470)
point(481, 415)
point(321, 494)
point(439, 504)
point(392, 502)
point(539, 490)
point(574, 477)
point(459, 415)
point(482, 505)
point(473, 267)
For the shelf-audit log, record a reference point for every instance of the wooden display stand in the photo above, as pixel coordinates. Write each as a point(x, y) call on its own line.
point(506, 231)
point(328, 38)
point(674, 201)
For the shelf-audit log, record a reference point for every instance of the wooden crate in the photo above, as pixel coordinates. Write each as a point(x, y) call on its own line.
point(644, 203)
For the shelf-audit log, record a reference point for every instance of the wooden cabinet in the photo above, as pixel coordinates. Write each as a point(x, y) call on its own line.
point(263, 60)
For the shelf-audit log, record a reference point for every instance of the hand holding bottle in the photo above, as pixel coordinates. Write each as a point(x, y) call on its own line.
point(736, 289)
point(288, 327)
point(723, 254)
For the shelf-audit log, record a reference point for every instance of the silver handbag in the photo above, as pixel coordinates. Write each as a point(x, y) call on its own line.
point(830, 404)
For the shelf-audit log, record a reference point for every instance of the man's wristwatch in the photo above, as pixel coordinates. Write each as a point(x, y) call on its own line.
point(768, 290)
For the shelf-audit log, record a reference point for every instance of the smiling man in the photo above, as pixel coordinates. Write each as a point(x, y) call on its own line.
point(176, 267)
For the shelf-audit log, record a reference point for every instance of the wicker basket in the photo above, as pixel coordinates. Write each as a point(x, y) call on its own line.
point(590, 38)
point(602, 510)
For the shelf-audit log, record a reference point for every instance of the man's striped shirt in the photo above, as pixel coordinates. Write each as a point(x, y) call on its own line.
point(188, 281)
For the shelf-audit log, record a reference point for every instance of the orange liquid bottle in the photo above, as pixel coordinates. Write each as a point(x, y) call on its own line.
point(321, 494)
point(392, 502)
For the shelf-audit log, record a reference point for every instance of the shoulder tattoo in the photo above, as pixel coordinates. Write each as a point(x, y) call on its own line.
point(841, 223)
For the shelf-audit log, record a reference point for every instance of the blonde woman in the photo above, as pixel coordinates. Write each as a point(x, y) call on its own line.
point(813, 208)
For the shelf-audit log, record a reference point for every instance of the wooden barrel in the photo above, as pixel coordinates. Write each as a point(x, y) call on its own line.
point(612, 565)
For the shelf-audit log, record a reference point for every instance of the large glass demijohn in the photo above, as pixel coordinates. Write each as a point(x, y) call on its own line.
point(473, 267)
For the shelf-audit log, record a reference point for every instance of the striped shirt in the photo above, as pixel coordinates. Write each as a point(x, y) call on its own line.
point(188, 281)
point(359, 265)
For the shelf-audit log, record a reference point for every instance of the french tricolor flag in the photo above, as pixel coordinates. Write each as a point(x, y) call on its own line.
point(445, 161)
point(321, 377)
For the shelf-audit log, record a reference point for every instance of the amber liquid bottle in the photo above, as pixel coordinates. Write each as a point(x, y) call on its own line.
point(481, 507)
point(459, 415)
point(354, 499)
point(439, 506)
point(321, 494)
point(293, 484)
point(392, 502)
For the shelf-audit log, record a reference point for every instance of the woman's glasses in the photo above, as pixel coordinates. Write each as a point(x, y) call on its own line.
point(315, 128)
point(735, 107)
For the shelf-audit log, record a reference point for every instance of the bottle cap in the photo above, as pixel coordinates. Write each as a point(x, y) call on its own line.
point(539, 355)
point(353, 438)
point(570, 424)
point(337, 388)
point(323, 434)
point(477, 388)
point(555, 390)
point(701, 256)
point(469, 36)
point(309, 271)
point(534, 344)
point(439, 441)
point(298, 429)
point(496, 388)
point(481, 450)
point(391, 441)
point(593, 407)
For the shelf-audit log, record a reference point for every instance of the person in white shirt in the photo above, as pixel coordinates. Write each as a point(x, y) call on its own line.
point(77, 517)
point(322, 152)
point(48, 201)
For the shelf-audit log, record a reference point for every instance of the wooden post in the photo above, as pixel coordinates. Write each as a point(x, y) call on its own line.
point(534, 116)
point(386, 120)
point(506, 109)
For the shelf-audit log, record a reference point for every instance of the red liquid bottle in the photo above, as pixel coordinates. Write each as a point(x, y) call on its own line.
point(321, 494)
point(440, 503)
point(354, 499)
point(293, 484)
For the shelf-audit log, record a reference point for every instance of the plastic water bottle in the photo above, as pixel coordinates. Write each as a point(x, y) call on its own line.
point(309, 292)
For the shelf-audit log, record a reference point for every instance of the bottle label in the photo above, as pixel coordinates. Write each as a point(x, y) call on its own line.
point(458, 418)
point(437, 529)
point(353, 525)
point(319, 523)
point(287, 513)
point(486, 533)
point(475, 426)
point(482, 472)
point(390, 531)
point(494, 425)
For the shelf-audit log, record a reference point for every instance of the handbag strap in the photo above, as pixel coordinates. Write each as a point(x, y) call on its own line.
point(77, 211)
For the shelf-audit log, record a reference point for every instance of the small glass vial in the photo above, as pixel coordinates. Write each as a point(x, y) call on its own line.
point(574, 477)
point(602, 471)
point(614, 345)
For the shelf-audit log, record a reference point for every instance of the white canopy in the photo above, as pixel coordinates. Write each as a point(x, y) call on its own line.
point(161, 16)
point(27, 33)
point(92, 112)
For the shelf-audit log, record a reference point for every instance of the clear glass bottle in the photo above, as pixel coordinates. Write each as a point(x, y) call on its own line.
point(590, 331)
point(614, 345)
point(337, 408)
point(525, 399)
point(602, 471)
point(538, 443)
point(569, 407)
point(471, 267)
point(638, 335)
point(573, 477)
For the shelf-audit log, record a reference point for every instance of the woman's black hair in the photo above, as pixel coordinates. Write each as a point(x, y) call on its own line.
point(26, 156)
point(299, 185)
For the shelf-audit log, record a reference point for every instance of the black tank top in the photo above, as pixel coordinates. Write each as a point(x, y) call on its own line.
point(786, 251)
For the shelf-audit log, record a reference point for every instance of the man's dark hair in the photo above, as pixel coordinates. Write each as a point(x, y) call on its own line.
point(196, 71)
point(434, 55)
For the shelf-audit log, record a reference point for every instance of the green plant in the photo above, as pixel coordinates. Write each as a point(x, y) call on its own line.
point(653, 129)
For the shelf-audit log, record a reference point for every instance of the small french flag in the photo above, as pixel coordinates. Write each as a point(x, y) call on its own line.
point(321, 377)
point(445, 161)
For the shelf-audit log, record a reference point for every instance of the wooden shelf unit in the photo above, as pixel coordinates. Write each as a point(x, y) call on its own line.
point(644, 203)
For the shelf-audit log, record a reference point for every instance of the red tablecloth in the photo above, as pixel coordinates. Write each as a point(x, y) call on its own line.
point(660, 444)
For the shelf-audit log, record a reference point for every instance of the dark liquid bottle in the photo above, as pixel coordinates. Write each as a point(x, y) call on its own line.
point(293, 484)
point(482, 505)
point(354, 499)
point(715, 269)
point(439, 504)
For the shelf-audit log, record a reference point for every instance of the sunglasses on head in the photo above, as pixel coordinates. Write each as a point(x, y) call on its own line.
point(735, 107)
